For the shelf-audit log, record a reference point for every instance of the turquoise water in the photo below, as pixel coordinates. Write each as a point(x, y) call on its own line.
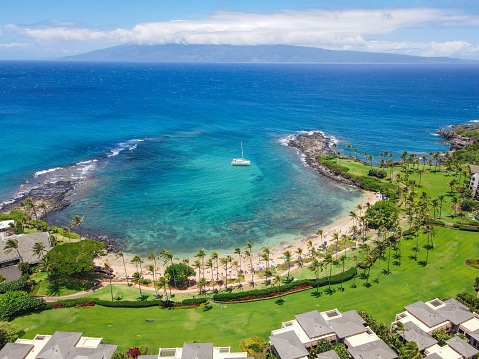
point(154, 142)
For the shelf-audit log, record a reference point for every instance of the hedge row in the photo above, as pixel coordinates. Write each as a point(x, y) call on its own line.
point(274, 291)
point(124, 304)
point(436, 222)
point(18, 284)
point(466, 228)
point(469, 300)
point(21, 307)
point(377, 173)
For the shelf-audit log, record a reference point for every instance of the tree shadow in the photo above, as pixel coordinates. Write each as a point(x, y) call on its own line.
point(279, 301)
point(316, 295)
point(422, 263)
point(397, 263)
point(54, 289)
point(413, 257)
point(367, 285)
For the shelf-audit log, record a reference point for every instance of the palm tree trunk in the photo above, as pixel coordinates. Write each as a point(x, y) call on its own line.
point(329, 279)
point(174, 277)
point(379, 272)
point(111, 289)
point(212, 279)
point(126, 274)
point(251, 263)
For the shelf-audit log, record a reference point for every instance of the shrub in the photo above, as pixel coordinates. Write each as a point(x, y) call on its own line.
point(144, 349)
point(24, 306)
point(58, 305)
point(179, 274)
point(2, 278)
point(377, 173)
point(466, 228)
point(435, 222)
point(385, 211)
point(284, 289)
point(12, 296)
point(19, 284)
point(85, 305)
point(133, 352)
point(469, 205)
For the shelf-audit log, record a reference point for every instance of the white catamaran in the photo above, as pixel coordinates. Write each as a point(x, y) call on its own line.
point(241, 161)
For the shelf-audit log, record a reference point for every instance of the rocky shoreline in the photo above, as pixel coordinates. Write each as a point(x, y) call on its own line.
point(454, 140)
point(313, 144)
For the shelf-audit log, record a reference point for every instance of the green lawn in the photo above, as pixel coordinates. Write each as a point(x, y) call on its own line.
point(444, 276)
point(129, 293)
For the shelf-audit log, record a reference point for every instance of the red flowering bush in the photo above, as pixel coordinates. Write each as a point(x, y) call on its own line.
point(133, 352)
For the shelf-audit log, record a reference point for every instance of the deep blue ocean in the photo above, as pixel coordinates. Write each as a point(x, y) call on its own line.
point(154, 142)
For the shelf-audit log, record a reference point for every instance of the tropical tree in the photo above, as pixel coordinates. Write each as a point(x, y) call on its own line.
point(39, 249)
point(356, 259)
point(30, 205)
point(120, 254)
point(201, 254)
point(381, 251)
point(197, 265)
point(410, 351)
point(342, 259)
point(224, 262)
point(66, 231)
point(266, 253)
point(370, 158)
point(162, 283)
point(328, 260)
point(368, 264)
point(107, 267)
point(215, 256)
point(168, 256)
point(151, 270)
point(238, 252)
point(12, 245)
point(350, 153)
point(287, 259)
point(211, 265)
point(77, 221)
point(316, 267)
point(250, 247)
point(202, 284)
point(137, 279)
point(299, 251)
point(187, 262)
point(153, 257)
point(46, 266)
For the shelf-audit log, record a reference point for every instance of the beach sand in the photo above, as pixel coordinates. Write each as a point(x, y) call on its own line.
point(341, 225)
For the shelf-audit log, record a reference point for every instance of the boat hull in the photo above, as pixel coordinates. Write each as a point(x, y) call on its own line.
point(237, 162)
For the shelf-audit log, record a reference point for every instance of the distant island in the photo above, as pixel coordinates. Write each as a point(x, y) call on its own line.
point(250, 54)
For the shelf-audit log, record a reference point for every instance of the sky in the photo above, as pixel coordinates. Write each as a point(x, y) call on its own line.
point(51, 29)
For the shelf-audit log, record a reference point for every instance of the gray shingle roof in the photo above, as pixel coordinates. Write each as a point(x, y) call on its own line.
point(415, 334)
point(462, 347)
point(350, 323)
point(328, 355)
point(103, 351)
point(59, 345)
point(197, 351)
point(15, 351)
point(456, 312)
point(373, 350)
point(25, 247)
point(313, 324)
point(426, 314)
point(434, 356)
point(288, 345)
point(475, 334)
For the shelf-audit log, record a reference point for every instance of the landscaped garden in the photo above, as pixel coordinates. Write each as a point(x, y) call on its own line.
point(445, 275)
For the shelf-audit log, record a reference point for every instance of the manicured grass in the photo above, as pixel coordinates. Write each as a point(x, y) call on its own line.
point(60, 288)
point(444, 276)
point(131, 293)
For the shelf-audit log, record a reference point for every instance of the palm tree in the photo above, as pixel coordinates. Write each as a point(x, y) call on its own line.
point(441, 199)
point(369, 263)
point(107, 268)
point(201, 284)
point(120, 254)
point(224, 261)
point(39, 249)
point(336, 239)
point(162, 283)
point(356, 153)
point(46, 266)
point(12, 245)
point(287, 259)
point(211, 265)
point(136, 259)
point(168, 256)
point(201, 254)
point(328, 260)
point(151, 270)
point(266, 253)
point(350, 149)
point(342, 259)
point(66, 231)
point(238, 252)
point(370, 158)
point(410, 351)
point(356, 259)
point(316, 266)
point(137, 279)
point(215, 256)
point(30, 205)
point(454, 201)
point(381, 251)
point(197, 265)
point(77, 221)
point(250, 247)
point(153, 257)
point(278, 279)
point(299, 251)
point(187, 262)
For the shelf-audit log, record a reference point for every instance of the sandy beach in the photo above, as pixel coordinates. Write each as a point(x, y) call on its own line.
point(341, 225)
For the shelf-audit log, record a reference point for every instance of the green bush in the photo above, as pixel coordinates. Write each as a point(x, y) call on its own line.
point(377, 173)
point(274, 291)
point(2, 278)
point(23, 306)
point(19, 284)
point(466, 228)
point(124, 304)
point(436, 222)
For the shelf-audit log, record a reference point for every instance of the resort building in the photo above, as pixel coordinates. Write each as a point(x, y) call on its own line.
point(196, 351)
point(307, 329)
point(60, 345)
point(5, 227)
point(421, 320)
point(474, 181)
point(25, 248)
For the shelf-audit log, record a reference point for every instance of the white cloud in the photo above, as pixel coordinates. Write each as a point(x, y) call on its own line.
point(14, 44)
point(347, 29)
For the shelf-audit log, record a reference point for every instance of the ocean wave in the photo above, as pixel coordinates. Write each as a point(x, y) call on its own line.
point(75, 173)
point(434, 134)
point(474, 121)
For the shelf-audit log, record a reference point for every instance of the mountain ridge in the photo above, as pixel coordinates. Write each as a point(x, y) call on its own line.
point(249, 54)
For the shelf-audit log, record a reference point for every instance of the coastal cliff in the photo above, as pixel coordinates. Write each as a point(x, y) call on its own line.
point(313, 144)
point(459, 136)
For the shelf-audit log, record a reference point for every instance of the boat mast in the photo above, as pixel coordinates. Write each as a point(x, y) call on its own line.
point(242, 150)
